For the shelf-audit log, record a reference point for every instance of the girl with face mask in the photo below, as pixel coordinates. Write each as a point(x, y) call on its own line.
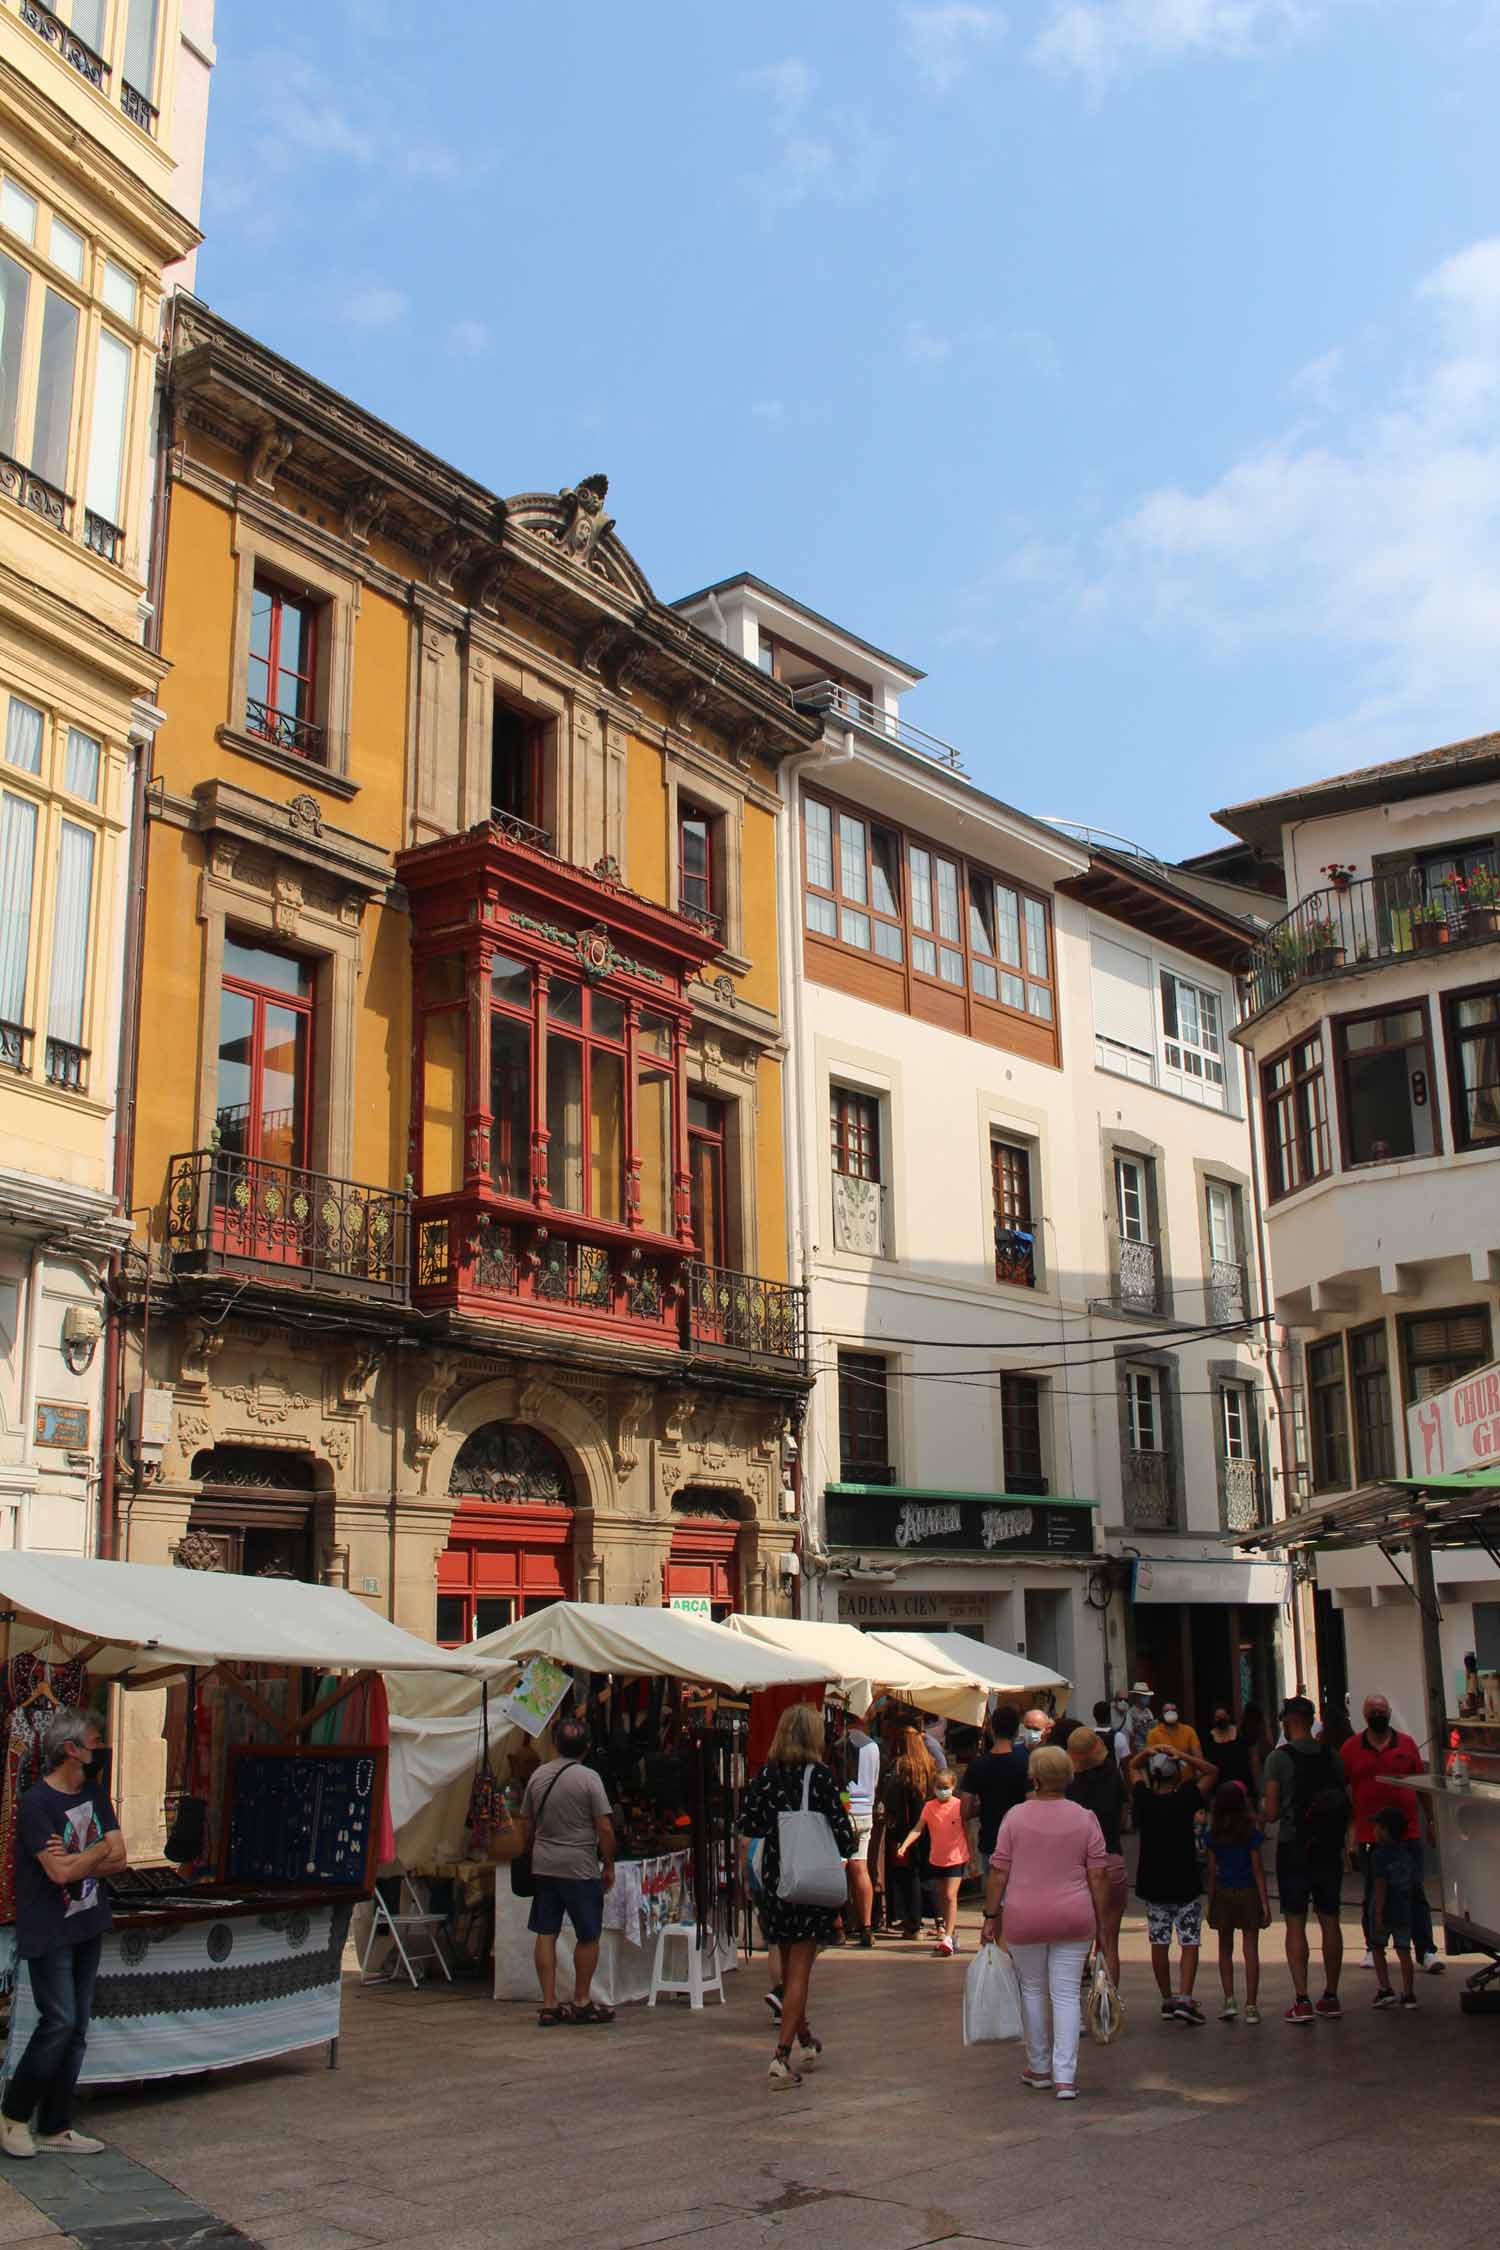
point(942, 1822)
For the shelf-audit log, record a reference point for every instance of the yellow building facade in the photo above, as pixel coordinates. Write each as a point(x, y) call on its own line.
point(459, 1108)
point(102, 106)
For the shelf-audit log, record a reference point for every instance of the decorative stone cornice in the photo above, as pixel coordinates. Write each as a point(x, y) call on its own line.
point(296, 830)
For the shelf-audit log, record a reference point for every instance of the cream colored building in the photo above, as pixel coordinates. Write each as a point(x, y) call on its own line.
point(102, 113)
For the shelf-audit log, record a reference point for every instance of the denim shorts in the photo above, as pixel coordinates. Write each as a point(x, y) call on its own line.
point(556, 1895)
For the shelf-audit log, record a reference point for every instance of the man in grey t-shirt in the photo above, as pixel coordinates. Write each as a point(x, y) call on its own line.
point(566, 1826)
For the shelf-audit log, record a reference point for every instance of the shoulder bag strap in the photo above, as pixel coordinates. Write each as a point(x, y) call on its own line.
point(536, 1826)
point(806, 1783)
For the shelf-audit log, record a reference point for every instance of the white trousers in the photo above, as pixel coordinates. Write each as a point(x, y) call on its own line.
point(1054, 1971)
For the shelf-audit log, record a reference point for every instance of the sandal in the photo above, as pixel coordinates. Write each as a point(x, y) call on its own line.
point(550, 2017)
point(592, 2011)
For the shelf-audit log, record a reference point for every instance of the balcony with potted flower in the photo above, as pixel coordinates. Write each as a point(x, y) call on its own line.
point(1356, 921)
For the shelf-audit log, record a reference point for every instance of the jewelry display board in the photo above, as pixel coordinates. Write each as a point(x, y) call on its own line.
point(302, 1816)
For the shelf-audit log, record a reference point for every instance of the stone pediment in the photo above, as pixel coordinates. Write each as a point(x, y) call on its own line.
point(574, 521)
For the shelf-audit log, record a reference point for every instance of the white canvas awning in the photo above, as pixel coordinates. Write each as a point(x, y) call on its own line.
point(1002, 1673)
point(863, 1668)
point(149, 1618)
point(642, 1643)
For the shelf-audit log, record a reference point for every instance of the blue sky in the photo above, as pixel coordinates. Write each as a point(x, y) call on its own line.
point(1132, 366)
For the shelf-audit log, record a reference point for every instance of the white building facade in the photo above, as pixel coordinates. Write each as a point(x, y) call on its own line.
point(1021, 1197)
point(1374, 1034)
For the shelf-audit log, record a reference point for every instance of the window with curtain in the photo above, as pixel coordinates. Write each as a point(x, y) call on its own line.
point(23, 736)
point(81, 765)
point(1374, 1437)
point(1327, 1416)
point(1471, 1024)
point(140, 46)
point(66, 1053)
point(103, 491)
point(53, 422)
point(1143, 1415)
point(15, 288)
point(17, 862)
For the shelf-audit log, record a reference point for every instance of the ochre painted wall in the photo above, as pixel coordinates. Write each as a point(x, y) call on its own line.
point(758, 890)
point(646, 820)
point(770, 1184)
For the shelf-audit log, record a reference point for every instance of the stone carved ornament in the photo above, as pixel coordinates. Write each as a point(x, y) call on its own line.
point(585, 523)
point(505, 1461)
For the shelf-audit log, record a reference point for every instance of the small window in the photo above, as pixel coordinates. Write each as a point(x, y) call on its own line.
point(516, 778)
point(1015, 1231)
point(1472, 1027)
point(1021, 1433)
point(1327, 1416)
point(23, 736)
point(864, 1419)
point(17, 211)
point(1223, 1227)
point(1131, 1212)
point(1193, 1038)
point(1295, 1101)
point(118, 290)
point(1386, 1070)
point(1442, 1348)
point(700, 864)
point(279, 707)
point(66, 250)
point(1374, 1438)
point(1234, 1422)
point(855, 1123)
point(1143, 1409)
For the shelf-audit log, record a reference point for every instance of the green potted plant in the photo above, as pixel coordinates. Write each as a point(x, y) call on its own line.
point(1322, 946)
point(1429, 925)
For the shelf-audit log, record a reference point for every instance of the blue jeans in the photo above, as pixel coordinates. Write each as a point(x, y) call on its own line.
point(62, 1985)
point(1421, 1913)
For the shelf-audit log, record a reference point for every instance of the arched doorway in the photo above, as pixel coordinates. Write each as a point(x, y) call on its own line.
point(256, 1513)
point(702, 1572)
point(510, 1543)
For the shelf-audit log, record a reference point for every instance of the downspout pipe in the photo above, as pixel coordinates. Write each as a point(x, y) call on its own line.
point(1263, 1270)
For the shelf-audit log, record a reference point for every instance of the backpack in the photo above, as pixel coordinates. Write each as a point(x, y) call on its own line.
point(1320, 1803)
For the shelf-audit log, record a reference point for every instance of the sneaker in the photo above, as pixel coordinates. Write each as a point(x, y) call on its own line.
point(1369, 1959)
point(945, 1949)
point(781, 2074)
point(1329, 2007)
point(1433, 1964)
point(1188, 2011)
point(772, 2000)
point(15, 2137)
point(1038, 2080)
point(1229, 2013)
point(70, 2143)
point(1408, 1999)
point(1252, 2015)
point(1300, 2011)
point(1168, 2010)
point(1067, 2093)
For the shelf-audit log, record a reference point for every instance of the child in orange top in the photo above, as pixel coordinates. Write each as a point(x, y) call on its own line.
point(942, 1823)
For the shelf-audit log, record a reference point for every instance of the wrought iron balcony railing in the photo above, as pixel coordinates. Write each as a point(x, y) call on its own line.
point(284, 729)
point(1147, 1490)
point(1138, 1277)
point(231, 1212)
point(1377, 918)
point(68, 44)
point(829, 695)
point(703, 918)
point(105, 538)
point(1239, 1494)
point(557, 1268)
point(67, 1064)
point(515, 830)
point(137, 108)
point(744, 1316)
point(1015, 1251)
point(34, 493)
point(15, 1046)
point(1228, 1299)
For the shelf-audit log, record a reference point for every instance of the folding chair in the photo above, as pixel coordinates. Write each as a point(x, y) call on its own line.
point(397, 1913)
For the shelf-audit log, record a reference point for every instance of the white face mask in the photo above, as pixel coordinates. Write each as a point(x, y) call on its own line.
point(1169, 1718)
point(944, 1792)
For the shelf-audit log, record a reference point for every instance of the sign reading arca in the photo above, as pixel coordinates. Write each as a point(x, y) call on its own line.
point(1458, 1428)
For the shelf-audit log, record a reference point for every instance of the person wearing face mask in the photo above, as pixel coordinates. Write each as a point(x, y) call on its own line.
point(1173, 1733)
point(1232, 1754)
point(67, 1836)
point(1036, 1725)
point(942, 1822)
point(1372, 1761)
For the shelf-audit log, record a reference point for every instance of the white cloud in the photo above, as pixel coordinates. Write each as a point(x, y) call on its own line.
point(469, 339)
point(787, 86)
point(924, 348)
point(821, 149)
point(1380, 548)
point(1318, 382)
point(373, 305)
point(1095, 39)
point(942, 39)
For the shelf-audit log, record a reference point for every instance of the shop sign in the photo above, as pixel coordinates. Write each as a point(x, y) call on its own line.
point(693, 1605)
point(62, 1425)
point(883, 1608)
point(970, 1526)
point(1458, 1428)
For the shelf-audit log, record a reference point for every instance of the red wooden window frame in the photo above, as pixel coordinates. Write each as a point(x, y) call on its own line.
point(854, 1122)
point(1294, 1097)
point(261, 997)
point(704, 1562)
point(301, 708)
point(496, 1558)
point(1021, 1402)
point(698, 891)
point(1010, 1180)
point(527, 765)
point(706, 1149)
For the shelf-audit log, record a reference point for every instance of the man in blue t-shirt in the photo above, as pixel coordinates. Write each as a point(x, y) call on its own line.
point(67, 1836)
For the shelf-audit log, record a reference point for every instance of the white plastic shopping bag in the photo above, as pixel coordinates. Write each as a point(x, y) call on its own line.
point(992, 1998)
point(1106, 2010)
point(812, 1873)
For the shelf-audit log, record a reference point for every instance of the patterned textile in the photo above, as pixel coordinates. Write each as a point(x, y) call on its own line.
point(23, 1726)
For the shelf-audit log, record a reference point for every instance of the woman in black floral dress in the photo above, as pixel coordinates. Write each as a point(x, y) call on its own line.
point(798, 1930)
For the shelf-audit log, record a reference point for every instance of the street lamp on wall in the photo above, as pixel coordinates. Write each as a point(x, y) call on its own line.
point(82, 1326)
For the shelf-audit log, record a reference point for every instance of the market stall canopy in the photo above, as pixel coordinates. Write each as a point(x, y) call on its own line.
point(861, 1668)
point(1001, 1673)
point(149, 1618)
point(1456, 1510)
point(641, 1643)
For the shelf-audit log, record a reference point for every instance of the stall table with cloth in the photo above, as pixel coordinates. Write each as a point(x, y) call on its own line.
point(235, 1954)
point(646, 1895)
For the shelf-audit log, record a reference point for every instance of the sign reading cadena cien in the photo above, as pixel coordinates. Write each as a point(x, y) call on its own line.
point(1458, 1428)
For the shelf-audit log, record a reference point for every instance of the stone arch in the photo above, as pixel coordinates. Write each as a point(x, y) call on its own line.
point(560, 1417)
point(510, 1461)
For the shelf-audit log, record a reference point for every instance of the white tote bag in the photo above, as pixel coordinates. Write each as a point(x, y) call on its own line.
point(992, 1998)
point(1106, 2010)
point(812, 1872)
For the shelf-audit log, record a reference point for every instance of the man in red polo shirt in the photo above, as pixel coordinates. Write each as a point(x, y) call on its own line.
point(1371, 1760)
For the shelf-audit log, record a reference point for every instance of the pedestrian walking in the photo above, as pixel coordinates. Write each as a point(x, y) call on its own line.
point(1139, 1717)
point(1237, 1899)
point(1099, 1786)
point(1391, 1907)
point(1047, 1892)
point(1173, 1733)
point(1373, 1762)
point(1167, 1795)
point(567, 1828)
point(67, 1836)
point(1305, 1791)
point(798, 1930)
point(904, 1791)
point(1231, 1753)
point(941, 1826)
point(862, 1782)
point(996, 1779)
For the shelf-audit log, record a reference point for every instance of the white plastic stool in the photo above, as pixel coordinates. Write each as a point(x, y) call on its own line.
point(698, 1980)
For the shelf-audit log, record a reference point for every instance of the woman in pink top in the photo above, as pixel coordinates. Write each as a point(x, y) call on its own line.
point(1049, 1872)
point(942, 1820)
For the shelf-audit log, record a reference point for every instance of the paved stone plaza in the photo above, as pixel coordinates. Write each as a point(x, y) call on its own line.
point(453, 2123)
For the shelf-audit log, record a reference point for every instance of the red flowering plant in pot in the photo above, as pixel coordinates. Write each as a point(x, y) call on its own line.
point(1477, 897)
point(1340, 873)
